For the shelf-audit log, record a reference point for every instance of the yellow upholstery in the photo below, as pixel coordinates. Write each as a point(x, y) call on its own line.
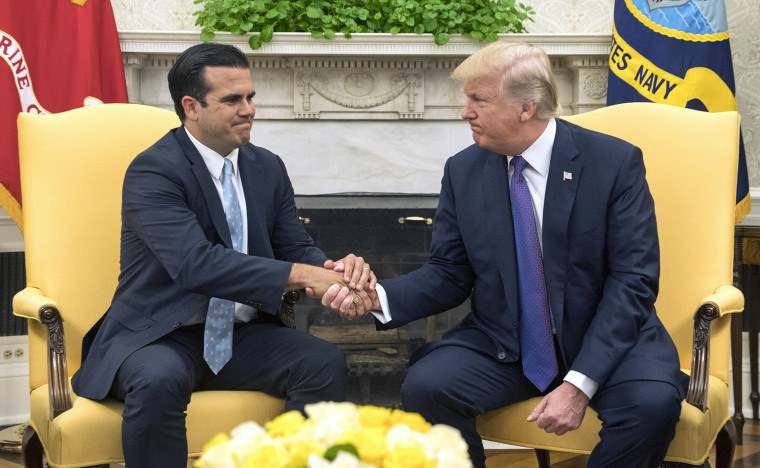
point(72, 167)
point(691, 161)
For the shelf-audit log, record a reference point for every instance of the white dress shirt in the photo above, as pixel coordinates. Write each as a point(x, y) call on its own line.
point(538, 156)
point(215, 165)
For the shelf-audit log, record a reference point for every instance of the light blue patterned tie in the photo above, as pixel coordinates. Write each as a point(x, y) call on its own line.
point(539, 359)
point(220, 320)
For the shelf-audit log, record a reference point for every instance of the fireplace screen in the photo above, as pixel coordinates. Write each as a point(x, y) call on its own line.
point(393, 241)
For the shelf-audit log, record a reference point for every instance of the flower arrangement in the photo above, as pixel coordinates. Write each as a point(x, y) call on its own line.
point(339, 435)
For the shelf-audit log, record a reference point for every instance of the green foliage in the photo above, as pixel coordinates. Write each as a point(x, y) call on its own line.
point(481, 19)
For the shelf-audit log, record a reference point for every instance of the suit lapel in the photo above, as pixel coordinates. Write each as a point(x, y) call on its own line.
point(199, 169)
point(561, 187)
point(250, 176)
point(500, 228)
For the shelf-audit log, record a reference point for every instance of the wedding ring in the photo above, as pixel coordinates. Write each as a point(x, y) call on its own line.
point(365, 268)
point(357, 299)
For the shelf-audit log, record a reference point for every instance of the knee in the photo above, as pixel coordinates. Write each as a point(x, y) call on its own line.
point(326, 363)
point(660, 410)
point(421, 388)
point(656, 410)
point(153, 386)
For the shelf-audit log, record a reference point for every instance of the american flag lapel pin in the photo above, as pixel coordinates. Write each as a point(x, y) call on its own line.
point(567, 175)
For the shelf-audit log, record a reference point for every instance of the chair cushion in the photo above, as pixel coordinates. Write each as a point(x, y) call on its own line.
point(90, 432)
point(695, 434)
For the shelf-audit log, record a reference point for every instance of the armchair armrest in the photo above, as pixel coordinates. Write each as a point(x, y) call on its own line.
point(725, 300)
point(30, 303)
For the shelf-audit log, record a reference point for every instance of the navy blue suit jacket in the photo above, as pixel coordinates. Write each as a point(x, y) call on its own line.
point(176, 251)
point(601, 260)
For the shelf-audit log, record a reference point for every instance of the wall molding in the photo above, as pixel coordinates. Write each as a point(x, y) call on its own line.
point(361, 44)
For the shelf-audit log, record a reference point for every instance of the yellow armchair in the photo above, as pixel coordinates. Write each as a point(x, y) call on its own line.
point(72, 168)
point(691, 162)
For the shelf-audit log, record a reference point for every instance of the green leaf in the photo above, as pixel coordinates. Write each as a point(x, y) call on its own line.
point(419, 29)
point(254, 42)
point(247, 26)
point(332, 452)
point(441, 38)
point(410, 21)
point(329, 33)
point(314, 12)
point(207, 35)
point(378, 15)
point(267, 32)
point(395, 30)
point(317, 34)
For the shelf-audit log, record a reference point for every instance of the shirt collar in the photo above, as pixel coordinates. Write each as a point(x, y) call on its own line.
point(214, 161)
point(539, 154)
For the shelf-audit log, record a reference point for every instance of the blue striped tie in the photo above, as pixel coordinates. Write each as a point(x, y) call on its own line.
point(539, 359)
point(220, 320)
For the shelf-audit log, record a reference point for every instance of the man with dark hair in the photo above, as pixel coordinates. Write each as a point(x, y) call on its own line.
point(210, 241)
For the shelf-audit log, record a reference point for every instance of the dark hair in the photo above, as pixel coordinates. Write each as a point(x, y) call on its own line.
point(186, 77)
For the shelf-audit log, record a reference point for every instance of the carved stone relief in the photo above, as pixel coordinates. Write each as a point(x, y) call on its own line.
point(342, 93)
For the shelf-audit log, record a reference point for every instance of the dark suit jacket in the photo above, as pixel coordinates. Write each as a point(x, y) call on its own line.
point(601, 260)
point(176, 251)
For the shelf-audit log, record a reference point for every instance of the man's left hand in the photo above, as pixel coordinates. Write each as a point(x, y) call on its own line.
point(355, 271)
point(562, 410)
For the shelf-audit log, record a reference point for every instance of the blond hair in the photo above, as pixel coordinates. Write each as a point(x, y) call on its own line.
point(524, 71)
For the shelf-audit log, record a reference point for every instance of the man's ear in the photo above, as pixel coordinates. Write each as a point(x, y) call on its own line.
point(190, 105)
point(527, 111)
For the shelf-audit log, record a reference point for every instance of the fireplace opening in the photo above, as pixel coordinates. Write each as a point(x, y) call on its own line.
point(393, 234)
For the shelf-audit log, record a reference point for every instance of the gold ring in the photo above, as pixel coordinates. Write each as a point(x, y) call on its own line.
point(365, 268)
point(357, 299)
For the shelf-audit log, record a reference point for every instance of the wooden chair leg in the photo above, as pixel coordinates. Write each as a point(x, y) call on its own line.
point(725, 445)
point(31, 449)
point(543, 457)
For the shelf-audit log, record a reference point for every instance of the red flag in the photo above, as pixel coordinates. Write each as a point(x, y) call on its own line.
point(57, 55)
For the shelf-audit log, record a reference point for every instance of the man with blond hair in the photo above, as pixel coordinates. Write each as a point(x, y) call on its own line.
point(550, 230)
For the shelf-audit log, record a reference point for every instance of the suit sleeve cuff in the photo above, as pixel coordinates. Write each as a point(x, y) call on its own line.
point(584, 384)
point(384, 315)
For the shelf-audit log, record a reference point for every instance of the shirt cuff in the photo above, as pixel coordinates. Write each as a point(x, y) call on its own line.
point(584, 384)
point(384, 315)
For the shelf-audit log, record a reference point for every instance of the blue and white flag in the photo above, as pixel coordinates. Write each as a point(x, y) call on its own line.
point(676, 52)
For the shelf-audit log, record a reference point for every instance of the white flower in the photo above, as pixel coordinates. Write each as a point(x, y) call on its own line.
point(342, 460)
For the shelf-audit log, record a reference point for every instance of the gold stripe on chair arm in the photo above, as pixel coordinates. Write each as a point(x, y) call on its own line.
point(30, 303)
point(726, 300)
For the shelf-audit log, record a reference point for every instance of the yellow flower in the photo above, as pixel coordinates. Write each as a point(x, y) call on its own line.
point(267, 456)
point(286, 424)
point(404, 456)
point(414, 420)
point(374, 416)
point(299, 454)
point(369, 442)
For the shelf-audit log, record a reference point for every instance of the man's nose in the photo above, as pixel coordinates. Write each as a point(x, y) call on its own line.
point(467, 112)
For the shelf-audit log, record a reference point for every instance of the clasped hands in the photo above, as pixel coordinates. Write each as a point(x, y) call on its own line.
point(351, 294)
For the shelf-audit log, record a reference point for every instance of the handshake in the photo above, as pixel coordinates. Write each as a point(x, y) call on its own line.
point(347, 286)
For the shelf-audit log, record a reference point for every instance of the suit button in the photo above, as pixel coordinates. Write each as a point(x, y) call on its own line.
point(177, 324)
point(502, 356)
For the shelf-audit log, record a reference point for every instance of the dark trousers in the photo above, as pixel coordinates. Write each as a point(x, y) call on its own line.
point(452, 385)
point(156, 383)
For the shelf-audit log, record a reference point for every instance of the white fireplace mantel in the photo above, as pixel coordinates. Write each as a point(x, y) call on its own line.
point(286, 44)
point(373, 113)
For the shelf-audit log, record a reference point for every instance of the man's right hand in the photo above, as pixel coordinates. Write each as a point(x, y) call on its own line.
point(340, 299)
